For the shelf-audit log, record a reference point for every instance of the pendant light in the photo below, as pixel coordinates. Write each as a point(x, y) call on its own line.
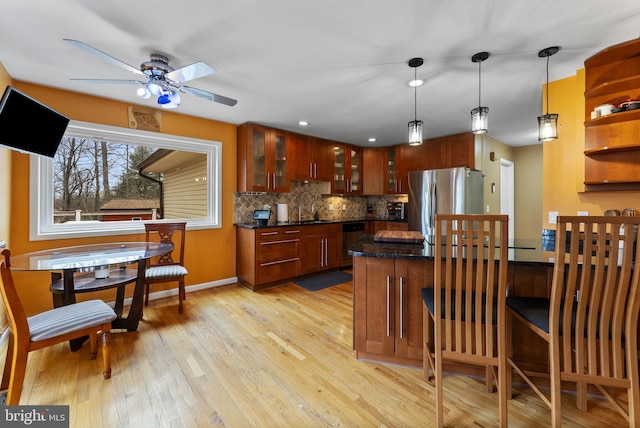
point(480, 115)
point(415, 126)
point(548, 123)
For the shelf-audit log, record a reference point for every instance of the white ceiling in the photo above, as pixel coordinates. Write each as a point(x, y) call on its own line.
point(339, 64)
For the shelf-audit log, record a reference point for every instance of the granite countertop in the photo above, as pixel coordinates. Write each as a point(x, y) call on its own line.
point(272, 223)
point(522, 251)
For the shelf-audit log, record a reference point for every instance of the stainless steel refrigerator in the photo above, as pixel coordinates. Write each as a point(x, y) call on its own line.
point(449, 191)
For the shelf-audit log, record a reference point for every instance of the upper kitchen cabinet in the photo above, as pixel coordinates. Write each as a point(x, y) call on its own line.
point(373, 170)
point(262, 159)
point(312, 158)
point(433, 153)
point(612, 145)
point(460, 151)
point(347, 169)
point(399, 161)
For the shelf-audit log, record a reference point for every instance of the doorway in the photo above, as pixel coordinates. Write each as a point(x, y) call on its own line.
point(507, 186)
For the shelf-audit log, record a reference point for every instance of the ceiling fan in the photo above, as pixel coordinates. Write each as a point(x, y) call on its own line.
point(162, 80)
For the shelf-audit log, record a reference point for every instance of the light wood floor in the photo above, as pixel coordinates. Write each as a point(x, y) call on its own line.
point(276, 358)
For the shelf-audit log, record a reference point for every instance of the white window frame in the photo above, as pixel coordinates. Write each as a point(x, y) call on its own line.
point(41, 225)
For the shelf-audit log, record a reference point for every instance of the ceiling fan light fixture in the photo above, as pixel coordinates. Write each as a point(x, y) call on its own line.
point(155, 89)
point(175, 98)
point(164, 99)
point(415, 126)
point(548, 123)
point(480, 115)
point(143, 92)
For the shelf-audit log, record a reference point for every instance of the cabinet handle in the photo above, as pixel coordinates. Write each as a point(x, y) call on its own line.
point(388, 309)
point(322, 252)
point(292, 231)
point(401, 306)
point(311, 169)
point(280, 261)
point(326, 252)
point(315, 170)
point(268, 233)
point(274, 181)
point(282, 241)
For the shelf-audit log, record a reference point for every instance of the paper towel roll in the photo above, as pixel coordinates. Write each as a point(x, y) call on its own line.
point(282, 214)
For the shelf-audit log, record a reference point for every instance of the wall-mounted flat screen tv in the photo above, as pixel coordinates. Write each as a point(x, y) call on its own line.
point(28, 125)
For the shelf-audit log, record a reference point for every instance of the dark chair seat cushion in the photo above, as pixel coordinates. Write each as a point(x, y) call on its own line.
point(428, 298)
point(533, 309)
point(536, 311)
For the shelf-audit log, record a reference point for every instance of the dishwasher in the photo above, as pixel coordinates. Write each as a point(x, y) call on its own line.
point(351, 232)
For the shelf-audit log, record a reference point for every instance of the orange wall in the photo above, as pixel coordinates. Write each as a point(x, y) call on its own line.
point(563, 159)
point(210, 254)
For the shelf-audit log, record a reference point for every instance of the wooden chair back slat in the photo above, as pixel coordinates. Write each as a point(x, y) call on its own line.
point(594, 296)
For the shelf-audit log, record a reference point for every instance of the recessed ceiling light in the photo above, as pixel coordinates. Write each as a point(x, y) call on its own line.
point(416, 82)
point(372, 140)
point(303, 123)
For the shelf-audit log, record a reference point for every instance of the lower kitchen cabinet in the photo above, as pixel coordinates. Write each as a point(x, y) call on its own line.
point(321, 248)
point(274, 255)
point(267, 255)
point(387, 306)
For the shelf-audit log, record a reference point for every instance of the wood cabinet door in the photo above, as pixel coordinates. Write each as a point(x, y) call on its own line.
point(321, 158)
point(333, 246)
point(374, 325)
point(409, 159)
point(301, 168)
point(262, 155)
point(433, 153)
point(374, 170)
point(311, 251)
point(460, 150)
point(410, 277)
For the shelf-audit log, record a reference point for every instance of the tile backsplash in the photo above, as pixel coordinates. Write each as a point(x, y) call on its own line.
point(311, 197)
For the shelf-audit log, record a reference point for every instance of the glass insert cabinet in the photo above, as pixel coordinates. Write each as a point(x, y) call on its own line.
point(347, 166)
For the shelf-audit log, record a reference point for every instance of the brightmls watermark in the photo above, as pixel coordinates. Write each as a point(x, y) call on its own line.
point(35, 416)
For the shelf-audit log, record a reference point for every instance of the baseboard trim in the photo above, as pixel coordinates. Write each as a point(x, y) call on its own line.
point(161, 294)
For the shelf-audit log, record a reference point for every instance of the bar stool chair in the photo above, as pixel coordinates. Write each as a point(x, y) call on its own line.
point(591, 318)
point(467, 304)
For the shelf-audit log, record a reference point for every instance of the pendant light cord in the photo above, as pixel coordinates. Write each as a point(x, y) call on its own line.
point(547, 112)
point(415, 94)
point(479, 83)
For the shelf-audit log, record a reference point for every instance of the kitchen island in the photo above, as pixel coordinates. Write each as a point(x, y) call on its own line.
point(387, 302)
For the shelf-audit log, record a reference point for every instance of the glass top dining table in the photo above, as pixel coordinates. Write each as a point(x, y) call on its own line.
point(84, 258)
point(75, 270)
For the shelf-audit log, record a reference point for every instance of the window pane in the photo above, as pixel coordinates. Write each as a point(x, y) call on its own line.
point(104, 180)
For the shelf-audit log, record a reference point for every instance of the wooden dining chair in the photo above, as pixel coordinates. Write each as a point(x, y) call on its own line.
point(168, 267)
point(48, 328)
point(590, 320)
point(465, 309)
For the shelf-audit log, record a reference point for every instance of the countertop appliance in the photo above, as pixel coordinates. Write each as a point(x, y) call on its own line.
point(397, 210)
point(449, 191)
point(351, 232)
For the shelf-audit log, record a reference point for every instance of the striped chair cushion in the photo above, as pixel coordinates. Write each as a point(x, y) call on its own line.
point(168, 271)
point(65, 319)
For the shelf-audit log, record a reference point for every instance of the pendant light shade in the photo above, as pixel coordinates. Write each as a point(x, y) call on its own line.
point(415, 126)
point(548, 123)
point(415, 132)
point(480, 115)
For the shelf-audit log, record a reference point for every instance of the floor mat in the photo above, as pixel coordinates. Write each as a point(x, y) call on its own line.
point(324, 281)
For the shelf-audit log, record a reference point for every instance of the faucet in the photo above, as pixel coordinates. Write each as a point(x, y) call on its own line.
point(296, 197)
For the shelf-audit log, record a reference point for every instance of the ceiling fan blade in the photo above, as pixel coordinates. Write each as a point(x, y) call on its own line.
point(117, 81)
point(104, 56)
point(191, 72)
point(209, 95)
